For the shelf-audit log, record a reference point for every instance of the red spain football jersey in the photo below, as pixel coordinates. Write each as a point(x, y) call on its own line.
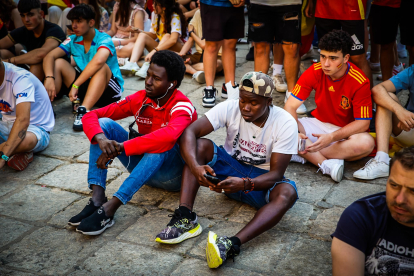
point(341, 9)
point(340, 101)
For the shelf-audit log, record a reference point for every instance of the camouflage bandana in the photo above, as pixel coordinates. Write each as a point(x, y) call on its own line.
point(262, 84)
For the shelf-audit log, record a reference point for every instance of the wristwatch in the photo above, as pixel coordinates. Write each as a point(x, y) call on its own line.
point(4, 157)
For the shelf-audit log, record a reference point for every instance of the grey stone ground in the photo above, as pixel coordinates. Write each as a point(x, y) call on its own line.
point(35, 205)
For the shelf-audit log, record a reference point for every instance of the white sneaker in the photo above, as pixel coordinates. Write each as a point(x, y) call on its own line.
point(129, 68)
point(280, 83)
point(333, 167)
point(301, 109)
point(122, 61)
point(199, 77)
point(375, 67)
point(143, 71)
point(232, 93)
point(309, 54)
point(395, 71)
point(373, 169)
point(298, 159)
point(402, 52)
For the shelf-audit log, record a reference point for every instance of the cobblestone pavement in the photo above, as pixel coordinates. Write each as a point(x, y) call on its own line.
point(35, 205)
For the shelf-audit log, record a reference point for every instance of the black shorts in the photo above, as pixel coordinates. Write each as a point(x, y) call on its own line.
point(111, 94)
point(222, 22)
point(355, 28)
point(275, 24)
point(406, 22)
point(384, 24)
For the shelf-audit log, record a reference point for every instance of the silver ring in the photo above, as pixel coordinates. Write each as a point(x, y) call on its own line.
point(222, 191)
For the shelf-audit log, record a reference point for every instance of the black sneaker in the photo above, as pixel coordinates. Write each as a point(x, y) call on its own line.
point(96, 223)
point(179, 229)
point(219, 249)
point(224, 91)
point(250, 54)
point(86, 212)
point(77, 125)
point(209, 97)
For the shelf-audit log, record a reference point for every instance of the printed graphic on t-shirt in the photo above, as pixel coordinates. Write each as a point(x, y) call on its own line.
point(5, 107)
point(388, 258)
point(254, 153)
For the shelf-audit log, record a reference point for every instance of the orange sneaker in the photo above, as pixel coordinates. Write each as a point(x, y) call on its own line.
point(20, 161)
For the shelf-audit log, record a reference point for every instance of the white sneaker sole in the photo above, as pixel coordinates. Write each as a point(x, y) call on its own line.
point(224, 96)
point(366, 177)
point(95, 233)
point(141, 75)
point(339, 168)
point(208, 104)
point(201, 78)
point(187, 235)
point(73, 223)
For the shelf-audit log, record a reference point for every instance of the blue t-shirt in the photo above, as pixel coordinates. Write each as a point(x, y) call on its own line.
point(405, 81)
point(388, 246)
point(217, 3)
point(73, 45)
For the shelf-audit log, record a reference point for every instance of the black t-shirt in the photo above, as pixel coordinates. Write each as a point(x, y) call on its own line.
point(24, 36)
point(388, 246)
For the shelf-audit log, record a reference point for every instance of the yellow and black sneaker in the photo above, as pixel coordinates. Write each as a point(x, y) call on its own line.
point(179, 229)
point(219, 249)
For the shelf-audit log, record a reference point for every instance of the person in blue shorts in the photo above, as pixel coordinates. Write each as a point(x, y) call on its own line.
point(96, 80)
point(260, 141)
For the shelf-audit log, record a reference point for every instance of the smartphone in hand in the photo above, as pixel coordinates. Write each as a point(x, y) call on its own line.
point(212, 179)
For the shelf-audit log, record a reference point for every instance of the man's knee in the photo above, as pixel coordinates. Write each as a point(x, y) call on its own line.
point(261, 48)
point(105, 123)
point(364, 143)
point(290, 49)
point(283, 194)
point(212, 46)
point(205, 149)
point(230, 43)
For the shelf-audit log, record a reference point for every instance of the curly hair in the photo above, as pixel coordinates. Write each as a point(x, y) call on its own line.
point(171, 7)
point(6, 7)
point(337, 40)
point(173, 64)
point(25, 6)
point(405, 157)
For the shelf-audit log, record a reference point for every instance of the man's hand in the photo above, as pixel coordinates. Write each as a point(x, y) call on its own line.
point(50, 88)
point(149, 56)
point(230, 185)
point(110, 148)
point(323, 141)
point(309, 10)
point(73, 94)
point(199, 173)
point(406, 119)
point(102, 161)
point(237, 3)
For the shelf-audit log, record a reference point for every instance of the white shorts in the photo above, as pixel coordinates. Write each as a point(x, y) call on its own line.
point(406, 138)
point(314, 126)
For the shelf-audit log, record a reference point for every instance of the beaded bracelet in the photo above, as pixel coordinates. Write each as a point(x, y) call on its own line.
point(252, 188)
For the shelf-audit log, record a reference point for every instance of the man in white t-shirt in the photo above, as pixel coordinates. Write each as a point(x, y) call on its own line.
point(27, 116)
point(260, 141)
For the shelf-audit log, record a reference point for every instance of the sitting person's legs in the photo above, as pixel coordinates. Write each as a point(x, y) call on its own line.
point(272, 204)
point(153, 169)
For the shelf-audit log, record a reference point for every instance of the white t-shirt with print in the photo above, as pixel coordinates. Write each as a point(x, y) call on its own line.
point(279, 134)
point(175, 25)
point(21, 86)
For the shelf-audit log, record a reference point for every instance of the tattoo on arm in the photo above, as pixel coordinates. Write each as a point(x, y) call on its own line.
point(22, 134)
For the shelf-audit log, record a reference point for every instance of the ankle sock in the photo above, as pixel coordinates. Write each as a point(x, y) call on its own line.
point(185, 211)
point(235, 241)
point(382, 157)
point(277, 69)
point(209, 87)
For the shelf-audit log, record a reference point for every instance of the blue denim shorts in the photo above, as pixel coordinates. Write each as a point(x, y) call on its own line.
point(43, 137)
point(224, 165)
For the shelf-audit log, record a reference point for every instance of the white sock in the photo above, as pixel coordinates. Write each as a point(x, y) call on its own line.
point(375, 63)
point(382, 157)
point(277, 69)
point(209, 87)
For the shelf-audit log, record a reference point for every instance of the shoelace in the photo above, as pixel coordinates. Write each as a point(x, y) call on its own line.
point(280, 79)
point(175, 217)
point(209, 93)
point(320, 168)
point(78, 116)
point(367, 165)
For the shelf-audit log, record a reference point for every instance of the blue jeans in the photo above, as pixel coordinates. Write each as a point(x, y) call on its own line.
point(224, 165)
point(159, 170)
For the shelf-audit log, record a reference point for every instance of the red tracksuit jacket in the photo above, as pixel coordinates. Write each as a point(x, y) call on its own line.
point(162, 126)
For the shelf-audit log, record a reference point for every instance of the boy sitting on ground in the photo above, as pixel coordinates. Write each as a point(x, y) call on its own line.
point(97, 79)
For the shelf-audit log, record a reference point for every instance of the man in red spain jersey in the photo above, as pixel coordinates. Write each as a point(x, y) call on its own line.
point(347, 15)
point(343, 108)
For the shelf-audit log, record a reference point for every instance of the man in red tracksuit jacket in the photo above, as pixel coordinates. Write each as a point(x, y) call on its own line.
point(161, 113)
